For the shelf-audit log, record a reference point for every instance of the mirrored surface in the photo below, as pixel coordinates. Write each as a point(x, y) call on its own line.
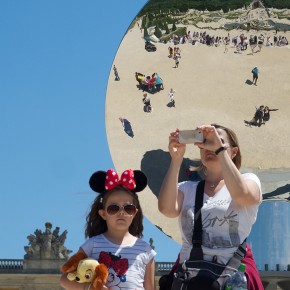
point(271, 235)
point(187, 63)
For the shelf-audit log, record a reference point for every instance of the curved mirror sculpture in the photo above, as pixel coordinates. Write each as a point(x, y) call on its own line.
point(204, 53)
point(271, 235)
point(270, 243)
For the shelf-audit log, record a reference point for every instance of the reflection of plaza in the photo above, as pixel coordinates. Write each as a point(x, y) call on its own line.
point(232, 241)
point(211, 86)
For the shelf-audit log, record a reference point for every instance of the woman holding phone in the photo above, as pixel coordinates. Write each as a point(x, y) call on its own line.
point(230, 200)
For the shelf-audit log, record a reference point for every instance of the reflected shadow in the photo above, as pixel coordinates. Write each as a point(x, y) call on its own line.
point(251, 123)
point(147, 108)
point(156, 171)
point(265, 284)
point(127, 127)
point(280, 190)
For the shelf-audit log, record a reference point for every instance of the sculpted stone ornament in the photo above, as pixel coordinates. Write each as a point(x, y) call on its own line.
point(47, 245)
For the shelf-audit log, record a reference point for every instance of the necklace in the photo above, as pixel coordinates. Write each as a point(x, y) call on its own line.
point(213, 185)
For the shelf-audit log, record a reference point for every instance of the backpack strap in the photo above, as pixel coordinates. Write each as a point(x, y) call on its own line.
point(196, 251)
point(239, 254)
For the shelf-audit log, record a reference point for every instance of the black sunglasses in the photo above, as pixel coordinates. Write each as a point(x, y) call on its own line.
point(129, 209)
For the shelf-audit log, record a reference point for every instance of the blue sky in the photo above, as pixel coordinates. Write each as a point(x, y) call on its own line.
point(55, 59)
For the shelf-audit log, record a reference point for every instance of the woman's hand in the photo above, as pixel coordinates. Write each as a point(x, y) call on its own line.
point(176, 149)
point(212, 139)
point(170, 199)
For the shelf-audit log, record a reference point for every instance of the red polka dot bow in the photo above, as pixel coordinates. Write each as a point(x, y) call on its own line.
point(126, 180)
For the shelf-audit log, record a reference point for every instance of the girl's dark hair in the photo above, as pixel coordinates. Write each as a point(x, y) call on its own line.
point(97, 225)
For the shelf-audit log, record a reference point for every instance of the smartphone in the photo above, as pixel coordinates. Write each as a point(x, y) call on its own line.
point(190, 136)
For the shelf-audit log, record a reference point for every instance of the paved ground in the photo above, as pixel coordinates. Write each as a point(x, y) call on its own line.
point(211, 86)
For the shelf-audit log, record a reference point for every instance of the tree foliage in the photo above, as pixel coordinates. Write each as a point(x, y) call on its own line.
point(145, 32)
point(157, 32)
point(172, 6)
point(173, 26)
point(166, 29)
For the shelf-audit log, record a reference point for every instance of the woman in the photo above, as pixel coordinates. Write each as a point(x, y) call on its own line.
point(230, 203)
point(267, 111)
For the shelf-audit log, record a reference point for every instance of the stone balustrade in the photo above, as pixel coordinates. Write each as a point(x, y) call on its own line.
point(7, 265)
point(16, 265)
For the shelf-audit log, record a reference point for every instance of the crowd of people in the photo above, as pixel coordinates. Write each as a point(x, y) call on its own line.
point(239, 42)
point(198, 37)
point(280, 40)
point(150, 84)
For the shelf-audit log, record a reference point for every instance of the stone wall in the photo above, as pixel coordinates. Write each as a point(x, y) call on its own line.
point(29, 282)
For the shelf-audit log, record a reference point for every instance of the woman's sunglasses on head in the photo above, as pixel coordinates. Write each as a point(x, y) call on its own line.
point(113, 209)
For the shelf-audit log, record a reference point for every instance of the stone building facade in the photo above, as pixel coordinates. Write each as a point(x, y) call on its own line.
point(45, 253)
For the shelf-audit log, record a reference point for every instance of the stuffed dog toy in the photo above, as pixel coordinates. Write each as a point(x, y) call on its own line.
point(82, 269)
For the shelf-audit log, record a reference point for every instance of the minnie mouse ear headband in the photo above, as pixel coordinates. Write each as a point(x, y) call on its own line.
point(134, 180)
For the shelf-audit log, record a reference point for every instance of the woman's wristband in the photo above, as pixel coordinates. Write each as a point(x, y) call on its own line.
point(222, 148)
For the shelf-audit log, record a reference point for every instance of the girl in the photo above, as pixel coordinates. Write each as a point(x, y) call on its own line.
point(114, 227)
